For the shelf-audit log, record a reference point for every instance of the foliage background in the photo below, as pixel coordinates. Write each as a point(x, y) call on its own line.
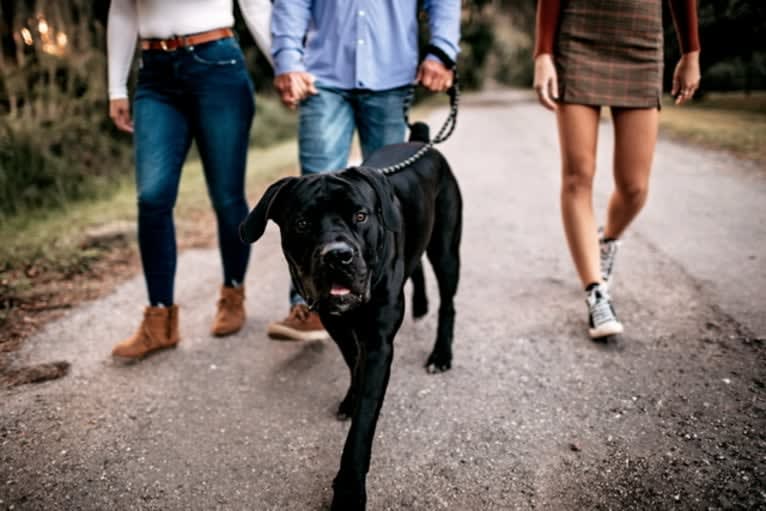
point(57, 144)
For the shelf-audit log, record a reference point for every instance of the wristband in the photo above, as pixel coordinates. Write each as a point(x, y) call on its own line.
point(440, 54)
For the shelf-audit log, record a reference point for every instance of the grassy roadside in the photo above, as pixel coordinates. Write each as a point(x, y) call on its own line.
point(51, 261)
point(731, 122)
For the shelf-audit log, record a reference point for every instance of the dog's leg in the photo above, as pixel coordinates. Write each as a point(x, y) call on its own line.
point(419, 297)
point(375, 356)
point(444, 253)
point(348, 345)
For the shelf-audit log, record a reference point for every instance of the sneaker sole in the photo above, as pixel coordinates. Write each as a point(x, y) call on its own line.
point(283, 333)
point(605, 330)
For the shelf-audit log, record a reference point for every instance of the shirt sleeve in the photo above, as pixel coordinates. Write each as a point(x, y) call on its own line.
point(548, 15)
point(687, 28)
point(289, 24)
point(257, 15)
point(444, 24)
point(121, 36)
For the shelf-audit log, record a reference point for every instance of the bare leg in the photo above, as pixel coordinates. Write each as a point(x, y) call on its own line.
point(578, 135)
point(635, 136)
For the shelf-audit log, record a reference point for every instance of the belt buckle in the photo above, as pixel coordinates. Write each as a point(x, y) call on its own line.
point(164, 45)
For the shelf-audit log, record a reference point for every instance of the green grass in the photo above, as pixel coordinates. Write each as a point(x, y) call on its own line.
point(732, 122)
point(55, 237)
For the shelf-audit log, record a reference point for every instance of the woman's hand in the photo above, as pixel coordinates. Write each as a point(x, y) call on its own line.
point(119, 111)
point(686, 77)
point(546, 81)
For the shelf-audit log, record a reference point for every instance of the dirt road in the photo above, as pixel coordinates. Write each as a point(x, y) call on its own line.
point(532, 416)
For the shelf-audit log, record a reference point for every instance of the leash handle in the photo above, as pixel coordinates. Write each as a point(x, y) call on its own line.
point(454, 99)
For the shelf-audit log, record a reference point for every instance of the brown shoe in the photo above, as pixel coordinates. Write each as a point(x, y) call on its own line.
point(158, 330)
point(300, 325)
point(231, 311)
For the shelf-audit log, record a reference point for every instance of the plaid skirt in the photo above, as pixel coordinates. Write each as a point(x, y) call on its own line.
point(609, 53)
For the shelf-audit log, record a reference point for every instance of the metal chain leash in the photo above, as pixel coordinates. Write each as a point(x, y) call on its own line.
point(444, 133)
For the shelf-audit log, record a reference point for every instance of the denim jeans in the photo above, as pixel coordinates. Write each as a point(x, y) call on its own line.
point(204, 94)
point(327, 123)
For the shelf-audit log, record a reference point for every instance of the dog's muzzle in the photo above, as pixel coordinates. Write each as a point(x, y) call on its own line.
point(341, 278)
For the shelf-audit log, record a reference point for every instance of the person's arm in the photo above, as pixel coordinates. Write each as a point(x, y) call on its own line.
point(289, 24)
point(685, 20)
point(548, 14)
point(546, 79)
point(257, 15)
point(121, 36)
point(444, 25)
point(436, 71)
point(686, 76)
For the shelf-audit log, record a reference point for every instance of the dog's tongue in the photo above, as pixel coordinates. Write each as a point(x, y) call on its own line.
point(338, 290)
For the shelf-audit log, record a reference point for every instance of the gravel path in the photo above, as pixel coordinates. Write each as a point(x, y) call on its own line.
point(532, 416)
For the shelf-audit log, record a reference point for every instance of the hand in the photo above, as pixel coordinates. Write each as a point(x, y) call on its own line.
point(686, 77)
point(546, 81)
point(119, 111)
point(294, 86)
point(434, 76)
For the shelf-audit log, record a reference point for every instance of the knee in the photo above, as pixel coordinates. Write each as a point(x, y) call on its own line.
point(154, 202)
point(577, 174)
point(231, 208)
point(634, 194)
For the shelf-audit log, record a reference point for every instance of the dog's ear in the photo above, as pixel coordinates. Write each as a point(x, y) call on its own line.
point(255, 224)
point(392, 219)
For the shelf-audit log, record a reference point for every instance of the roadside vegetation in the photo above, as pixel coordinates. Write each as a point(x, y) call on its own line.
point(733, 122)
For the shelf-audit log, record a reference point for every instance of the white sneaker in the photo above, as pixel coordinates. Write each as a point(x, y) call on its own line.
point(602, 319)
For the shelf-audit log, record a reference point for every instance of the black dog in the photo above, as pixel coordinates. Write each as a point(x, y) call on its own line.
point(351, 240)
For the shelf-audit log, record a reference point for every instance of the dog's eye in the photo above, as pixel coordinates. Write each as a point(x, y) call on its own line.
point(360, 217)
point(302, 225)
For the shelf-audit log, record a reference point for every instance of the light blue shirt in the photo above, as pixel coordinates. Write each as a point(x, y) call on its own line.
point(351, 44)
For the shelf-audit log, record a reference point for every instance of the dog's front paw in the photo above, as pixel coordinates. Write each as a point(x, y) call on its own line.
point(439, 361)
point(348, 495)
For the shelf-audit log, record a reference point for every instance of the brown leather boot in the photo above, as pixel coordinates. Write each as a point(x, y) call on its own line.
point(158, 330)
point(231, 311)
point(301, 324)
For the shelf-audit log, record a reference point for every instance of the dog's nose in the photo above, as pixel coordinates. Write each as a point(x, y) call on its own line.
point(337, 253)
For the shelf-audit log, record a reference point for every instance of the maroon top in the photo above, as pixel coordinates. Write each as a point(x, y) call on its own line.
point(684, 16)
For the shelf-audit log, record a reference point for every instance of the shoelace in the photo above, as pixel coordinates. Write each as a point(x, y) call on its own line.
point(600, 308)
point(607, 256)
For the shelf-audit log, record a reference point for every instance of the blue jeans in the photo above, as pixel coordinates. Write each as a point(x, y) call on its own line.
point(327, 123)
point(203, 94)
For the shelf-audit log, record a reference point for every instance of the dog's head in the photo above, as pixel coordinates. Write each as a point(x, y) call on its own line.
point(335, 231)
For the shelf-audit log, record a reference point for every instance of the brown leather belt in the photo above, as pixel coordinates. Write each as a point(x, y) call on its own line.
point(174, 43)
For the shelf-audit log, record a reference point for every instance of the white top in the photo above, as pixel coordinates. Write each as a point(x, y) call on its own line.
point(163, 19)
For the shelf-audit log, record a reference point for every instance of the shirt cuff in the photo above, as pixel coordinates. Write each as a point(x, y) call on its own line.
point(286, 61)
point(446, 46)
point(118, 93)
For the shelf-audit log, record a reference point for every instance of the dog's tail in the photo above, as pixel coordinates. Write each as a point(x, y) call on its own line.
point(419, 132)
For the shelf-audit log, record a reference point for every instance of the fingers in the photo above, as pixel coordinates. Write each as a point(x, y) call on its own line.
point(120, 114)
point(434, 76)
point(311, 84)
point(686, 93)
point(546, 91)
point(546, 82)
